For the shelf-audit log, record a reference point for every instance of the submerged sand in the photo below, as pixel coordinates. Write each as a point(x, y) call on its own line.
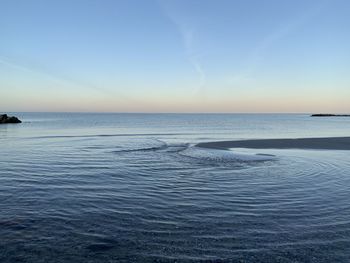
point(331, 143)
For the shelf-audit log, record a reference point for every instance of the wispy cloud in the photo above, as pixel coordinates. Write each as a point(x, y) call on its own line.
point(187, 32)
point(44, 71)
point(193, 58)
point(257, 54)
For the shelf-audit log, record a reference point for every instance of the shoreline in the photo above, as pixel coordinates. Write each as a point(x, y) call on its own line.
point(327, 143)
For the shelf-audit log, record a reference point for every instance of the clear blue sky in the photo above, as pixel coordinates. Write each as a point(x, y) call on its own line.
point(175, 56)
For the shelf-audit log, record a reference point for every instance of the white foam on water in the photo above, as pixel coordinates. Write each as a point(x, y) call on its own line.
point(230, 155)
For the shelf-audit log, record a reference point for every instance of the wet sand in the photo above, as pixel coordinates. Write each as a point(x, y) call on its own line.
point(331, 143)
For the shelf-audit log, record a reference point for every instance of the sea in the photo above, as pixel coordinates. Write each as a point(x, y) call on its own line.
point(129, 187)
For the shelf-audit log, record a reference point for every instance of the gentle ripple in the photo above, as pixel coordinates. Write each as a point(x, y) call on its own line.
point(144, 199)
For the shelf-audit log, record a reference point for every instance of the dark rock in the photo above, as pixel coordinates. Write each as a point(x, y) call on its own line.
point(330, 115)
point(6, 119)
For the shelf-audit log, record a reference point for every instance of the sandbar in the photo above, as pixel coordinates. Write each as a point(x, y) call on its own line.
point(329, 143)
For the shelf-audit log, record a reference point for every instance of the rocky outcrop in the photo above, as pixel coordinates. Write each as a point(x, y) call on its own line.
point(7, 119)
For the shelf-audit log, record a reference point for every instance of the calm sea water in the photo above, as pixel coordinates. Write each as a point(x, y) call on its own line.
point(132, 188)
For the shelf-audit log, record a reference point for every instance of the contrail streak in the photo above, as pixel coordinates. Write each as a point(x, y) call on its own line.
point(187, 34)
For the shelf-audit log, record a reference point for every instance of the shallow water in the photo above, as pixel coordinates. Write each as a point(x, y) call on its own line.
point(133, 188)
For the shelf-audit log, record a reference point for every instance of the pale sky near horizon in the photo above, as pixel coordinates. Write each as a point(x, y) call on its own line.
point(175, 56)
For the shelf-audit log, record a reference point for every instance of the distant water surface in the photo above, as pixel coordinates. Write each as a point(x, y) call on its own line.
point(133, 188)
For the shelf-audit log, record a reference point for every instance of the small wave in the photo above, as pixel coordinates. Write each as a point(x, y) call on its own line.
point(174, 148)
point(142, 149)
point(225, 155)
point(107, 135)
point(152, 145)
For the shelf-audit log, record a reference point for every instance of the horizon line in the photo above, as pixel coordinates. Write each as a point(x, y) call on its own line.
point(126, 112)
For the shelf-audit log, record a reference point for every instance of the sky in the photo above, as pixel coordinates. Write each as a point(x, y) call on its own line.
point(175, 56)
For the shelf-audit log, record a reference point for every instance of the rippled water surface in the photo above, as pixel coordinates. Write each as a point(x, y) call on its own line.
point(133, 188)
